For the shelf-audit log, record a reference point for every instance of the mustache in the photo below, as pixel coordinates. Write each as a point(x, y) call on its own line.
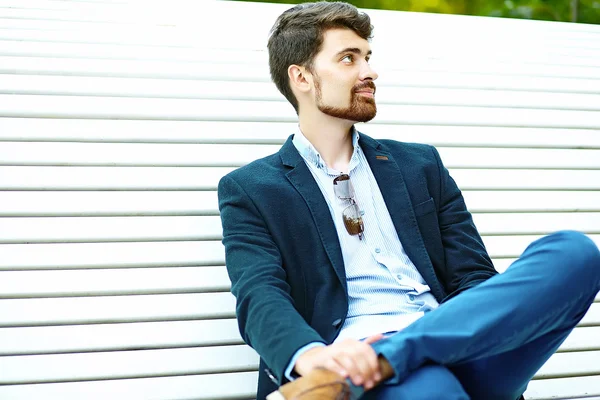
point(366, 85)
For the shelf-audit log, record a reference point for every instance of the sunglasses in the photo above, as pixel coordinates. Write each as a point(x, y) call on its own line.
point(342, 187)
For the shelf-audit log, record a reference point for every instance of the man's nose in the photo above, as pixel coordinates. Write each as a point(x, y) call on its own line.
point(368, 72)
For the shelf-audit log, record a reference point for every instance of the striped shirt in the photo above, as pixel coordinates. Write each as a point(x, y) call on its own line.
point(386, 292)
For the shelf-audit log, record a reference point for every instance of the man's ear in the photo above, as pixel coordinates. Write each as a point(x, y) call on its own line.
point(300, 78)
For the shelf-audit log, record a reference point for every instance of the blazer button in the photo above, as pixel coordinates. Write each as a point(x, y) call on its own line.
point(337, 322)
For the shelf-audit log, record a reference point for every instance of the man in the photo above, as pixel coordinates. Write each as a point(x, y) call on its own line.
point(357, 258)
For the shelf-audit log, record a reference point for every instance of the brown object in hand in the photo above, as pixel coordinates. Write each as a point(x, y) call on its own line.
point(323, 384)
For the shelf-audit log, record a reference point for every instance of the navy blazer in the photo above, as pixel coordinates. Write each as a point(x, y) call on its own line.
point(283, 255)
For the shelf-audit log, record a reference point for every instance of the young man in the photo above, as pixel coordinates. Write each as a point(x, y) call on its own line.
point(357, 258)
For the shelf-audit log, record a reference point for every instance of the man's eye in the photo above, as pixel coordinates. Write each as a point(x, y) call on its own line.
point(347, 58)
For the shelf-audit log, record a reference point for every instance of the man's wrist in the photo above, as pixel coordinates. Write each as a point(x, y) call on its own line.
point(290, 372)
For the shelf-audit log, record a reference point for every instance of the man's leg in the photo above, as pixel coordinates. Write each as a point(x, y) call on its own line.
point(429, 382)
point(536, 302)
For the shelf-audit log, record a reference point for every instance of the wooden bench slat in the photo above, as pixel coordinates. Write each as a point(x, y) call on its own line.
point(563, 388)
point(139, 131)
point(127, 364)
point(99, 255)
point(582, 338)
point(178, 253)
point(233, 386)
point(123, 336)
point(200, 203)
point(189, 228)
point(562, 365)
point(150, 335)
point(94, 282)
point(206, 178)
point(225, 155)
point(112, 309)
point(48, 106)
point(259, 73)
point(111, 178)
point(266, 91)
point(139, 308)
point(111, 203)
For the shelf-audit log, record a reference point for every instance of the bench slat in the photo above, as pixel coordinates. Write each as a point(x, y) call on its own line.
point(266, 91)
point(200, 203)
point(258, 73)
point(188, 228)
point(48, 106)
point(82, 130)
point(94, 282)
point(127, 364)
point(162, 254)
point(113, 309)
point(151, 335)
point(139, 308)
point(564, 388)
point(232, 386)
point(123, 336)
point(224, 155)
point(206, 178)
point(564, 365)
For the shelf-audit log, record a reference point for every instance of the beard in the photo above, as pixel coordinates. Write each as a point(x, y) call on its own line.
point(361, 109)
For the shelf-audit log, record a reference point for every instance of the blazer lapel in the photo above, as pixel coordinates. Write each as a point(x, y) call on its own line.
point(301, 178)
point(392, 184)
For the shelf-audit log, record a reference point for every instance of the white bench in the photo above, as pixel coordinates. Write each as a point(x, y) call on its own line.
point(117, 120)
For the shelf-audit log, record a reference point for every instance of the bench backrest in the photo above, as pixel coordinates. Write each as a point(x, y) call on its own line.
point(117, 120)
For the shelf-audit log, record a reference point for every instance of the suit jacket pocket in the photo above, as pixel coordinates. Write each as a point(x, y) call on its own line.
point(425, 207)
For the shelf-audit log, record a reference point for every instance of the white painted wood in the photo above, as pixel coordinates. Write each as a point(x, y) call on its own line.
point(221, 155)
point(161, 254)
point(571, 364)
point(111, 255)
point(120, 281)
point(134, 364)
point(124, 336)
point(48, 106)
point(120, 203)
point(115, 309)
point(207, 178)
point(226, 90)
point(564, 388)
point(582, 339)
point(190, 203)
point(111, 178)
point(139, 308)
point(241, 385)
point(188, 228)
point(117, 131)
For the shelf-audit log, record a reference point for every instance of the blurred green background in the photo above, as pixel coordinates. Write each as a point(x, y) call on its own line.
point(583, 11)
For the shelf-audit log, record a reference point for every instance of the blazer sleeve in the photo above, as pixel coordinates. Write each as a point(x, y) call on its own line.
point(267, 318)
point(467, 261)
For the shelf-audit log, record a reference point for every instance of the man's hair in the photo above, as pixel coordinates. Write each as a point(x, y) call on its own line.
point(297, 36)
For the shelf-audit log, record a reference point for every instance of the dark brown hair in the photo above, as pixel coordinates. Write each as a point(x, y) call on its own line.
point(297, 37)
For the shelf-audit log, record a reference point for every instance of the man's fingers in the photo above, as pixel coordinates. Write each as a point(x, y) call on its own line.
point(332, 365)
point(374, 338)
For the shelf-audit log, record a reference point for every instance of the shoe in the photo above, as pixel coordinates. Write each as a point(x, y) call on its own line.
point(322, 384)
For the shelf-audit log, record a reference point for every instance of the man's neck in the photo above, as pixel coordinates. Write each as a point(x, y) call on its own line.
point(332, 137)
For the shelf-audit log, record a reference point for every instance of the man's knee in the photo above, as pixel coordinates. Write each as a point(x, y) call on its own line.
point(576, 249)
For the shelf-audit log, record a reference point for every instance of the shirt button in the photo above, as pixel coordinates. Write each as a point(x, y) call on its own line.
point(399, 277)
point(336, 323)
point(362, 213)
point(377, 250)
point(411, 297)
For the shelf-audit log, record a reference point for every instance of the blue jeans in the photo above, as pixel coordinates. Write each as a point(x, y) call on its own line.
point(488, 342)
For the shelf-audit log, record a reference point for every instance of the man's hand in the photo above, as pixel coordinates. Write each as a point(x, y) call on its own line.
point(349, 358)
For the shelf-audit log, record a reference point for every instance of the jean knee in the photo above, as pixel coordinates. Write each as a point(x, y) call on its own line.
point(579, 249)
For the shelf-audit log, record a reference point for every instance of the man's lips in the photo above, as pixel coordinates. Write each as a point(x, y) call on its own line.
point(366, 92)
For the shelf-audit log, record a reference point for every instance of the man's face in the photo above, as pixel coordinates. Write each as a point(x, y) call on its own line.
point(343, 78)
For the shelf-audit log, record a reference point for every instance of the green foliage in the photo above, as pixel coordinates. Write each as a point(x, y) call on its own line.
point(585, 11)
